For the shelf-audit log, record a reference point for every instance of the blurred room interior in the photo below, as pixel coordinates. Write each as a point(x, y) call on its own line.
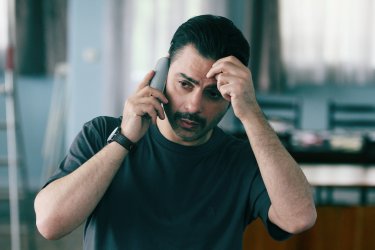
point(313, 67)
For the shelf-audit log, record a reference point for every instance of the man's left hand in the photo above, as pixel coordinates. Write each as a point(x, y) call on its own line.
point(235, 84)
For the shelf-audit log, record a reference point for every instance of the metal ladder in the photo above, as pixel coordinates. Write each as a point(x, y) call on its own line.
point(14, 160)
point(19, 194)
point(11, 161)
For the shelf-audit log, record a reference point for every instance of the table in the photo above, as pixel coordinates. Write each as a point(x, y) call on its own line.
point(333, 159)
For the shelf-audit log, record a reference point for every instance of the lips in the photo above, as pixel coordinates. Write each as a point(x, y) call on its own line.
point(188, 124)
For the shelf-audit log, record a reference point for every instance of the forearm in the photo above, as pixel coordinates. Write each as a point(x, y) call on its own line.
point(292, 206)
point(286, 184)
point(65, 203)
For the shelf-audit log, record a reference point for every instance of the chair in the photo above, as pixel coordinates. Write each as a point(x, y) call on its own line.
point(287, 111)
point(351, 116)
point(355, 118)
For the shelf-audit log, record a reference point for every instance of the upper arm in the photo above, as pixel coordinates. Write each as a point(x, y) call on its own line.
point(90, 140)
point(260, 206)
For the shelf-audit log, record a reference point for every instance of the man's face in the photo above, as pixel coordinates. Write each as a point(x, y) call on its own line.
point(195, 104)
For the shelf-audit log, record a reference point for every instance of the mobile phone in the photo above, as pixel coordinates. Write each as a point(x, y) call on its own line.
point(161, 72)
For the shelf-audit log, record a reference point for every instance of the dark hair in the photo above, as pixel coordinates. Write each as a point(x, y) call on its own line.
point(214, 37)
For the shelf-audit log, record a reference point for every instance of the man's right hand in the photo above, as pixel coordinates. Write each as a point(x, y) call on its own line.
point(141, 109)
point(67, 202)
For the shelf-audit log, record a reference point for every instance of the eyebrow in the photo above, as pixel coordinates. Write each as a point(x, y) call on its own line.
point(189, 78)
point(211, 86)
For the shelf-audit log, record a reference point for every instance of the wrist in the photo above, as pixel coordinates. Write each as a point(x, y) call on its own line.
point(129, 134)
point(253, 112)
point(118, 137)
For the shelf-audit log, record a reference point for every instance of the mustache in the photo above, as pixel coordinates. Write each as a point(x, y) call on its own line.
point(190, 116)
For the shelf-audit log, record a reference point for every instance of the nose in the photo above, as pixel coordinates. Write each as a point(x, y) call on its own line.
point(194, 102)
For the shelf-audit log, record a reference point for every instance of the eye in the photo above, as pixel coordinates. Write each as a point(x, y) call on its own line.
point(214, 94)
point(185, 84)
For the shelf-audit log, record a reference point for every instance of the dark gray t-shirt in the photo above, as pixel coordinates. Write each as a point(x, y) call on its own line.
point(168, 196)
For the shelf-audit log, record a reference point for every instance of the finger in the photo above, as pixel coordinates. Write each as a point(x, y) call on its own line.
point(225, 78)
point(221, 67)
point(225, 91)
point(146, 80)
point(230, 85)
point(158, 94)
point(228, 65)
point(231, 59)
point(154, 93)
point(238, 83)
point(155, 104)
point(144, 110)
point(213, 71)
point(149, 112)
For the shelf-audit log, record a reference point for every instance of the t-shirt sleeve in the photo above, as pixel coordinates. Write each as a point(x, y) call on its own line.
point(90, 140)
point(259, 205)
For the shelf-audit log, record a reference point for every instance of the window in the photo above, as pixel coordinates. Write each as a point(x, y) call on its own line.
point(154, 24)
point(137, 34)
point(328, 41)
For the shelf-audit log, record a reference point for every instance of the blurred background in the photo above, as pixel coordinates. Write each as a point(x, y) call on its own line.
point(65, 62)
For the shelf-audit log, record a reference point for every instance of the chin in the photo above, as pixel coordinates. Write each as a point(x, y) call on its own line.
point(187, 136)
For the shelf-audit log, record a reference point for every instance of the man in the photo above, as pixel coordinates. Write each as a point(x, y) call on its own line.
point(185, 184)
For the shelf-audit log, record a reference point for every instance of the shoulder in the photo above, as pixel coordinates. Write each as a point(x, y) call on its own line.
point(235, 150)
point(102, 123)
point(100, 127)
point(231, 142)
